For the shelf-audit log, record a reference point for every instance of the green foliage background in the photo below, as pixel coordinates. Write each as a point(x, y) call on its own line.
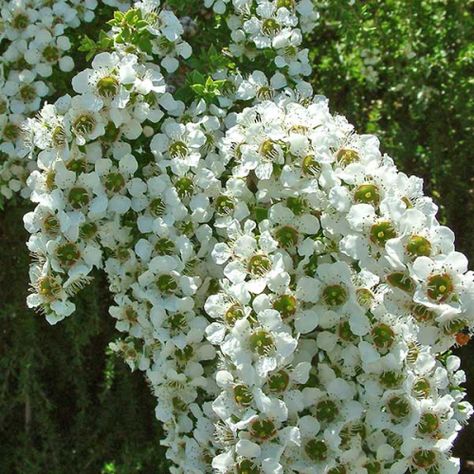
point(403, 69)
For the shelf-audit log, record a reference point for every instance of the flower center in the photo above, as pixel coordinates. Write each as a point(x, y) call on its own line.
point(58, 136)
point(259, 265)
point(428, 424)
point(262, 429)
point(345, 332)
point(288, 4)
point(166, 283)
point(224, 205)
point(78, 165)
point(261, 342)
point(422, 314)
point(247, 467)
point(164, 246)
point(264, 93)
point(107, 86)
point(401, 281)
point(346, 156)
point(28, 93)
point(398, 407)
point(279, 381)
point(20, 21)
point(287, 236)
point(335, 295)
point(364, 297)
point(11, 131)
point(391, 379)
point(326, 411)
point(157, 207)
point(84, 124)
point(310, 166)
point(440, 287)
point(418, 246)
point(51, 53)
point(68, 254)
point(234, 313)
point(88, 230)
point(184, 187)
point(185, 354)
point(421, 388)
point(383, 336)
point(381, 232)
point(424, 458)
point(51, 225)
point(316, 450)
point(270, 26)
point(285, 305)
point(178, 149)
point(48, 287)
point(368, 194)
point(242, 395)
point(78, 197)
point(268, 150)
point(114, 182)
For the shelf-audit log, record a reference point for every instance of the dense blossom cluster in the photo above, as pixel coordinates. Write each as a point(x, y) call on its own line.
point(36, 49)
point(289, 294)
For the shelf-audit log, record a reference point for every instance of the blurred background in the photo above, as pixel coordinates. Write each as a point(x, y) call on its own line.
point(402, 69)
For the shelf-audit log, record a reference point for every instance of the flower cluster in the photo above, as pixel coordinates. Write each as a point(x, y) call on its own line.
point(36, 48)
point(341, 294)
point(273, 26)
point(289, 294)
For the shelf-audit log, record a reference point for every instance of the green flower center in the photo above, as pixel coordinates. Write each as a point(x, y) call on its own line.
point(242, 395)
point(268, 150)
point(167, 283)
point(287, 236)
point(51, 225)
point(279, 381)
point(421, 388)
point(335, 295)
point(401, 281)
point(418, 246)
point(398, 407)
point(107, 86)
point(326, 411)
point(51, 53)
point(165, 246)
point(224, 205)
point(261, 342)
point(184, 187)
point(424, 458)
point(185, 354)
point(391, 379)
point(264, 93)
point(373, 467)
point(78, 197)
point(383, 336)
point(3, 105)
point(11, 131)
point(316, 450)
point(296, 204)
point(48, 287)
point(346, 156)
point(310, 166)
point(58, 137)
point(114, 182)
point(68, 254)
point(453, 327)
point(440, 287)
point(288, 4)
point(28, 93)
point(77, 165)
point(270, 26)
point(262, 429)
point(381, 232)
point(178, 149)
point(364, 297)
point(368, 194)
point(20, 21)
point(157, 207)
point(247, 467)
point(422, 314)
point(177, 322)
point(345, 332)
point(258, 265)
point(234, 313)
point(84, 124)
point(285, 305)
point(428, 424)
